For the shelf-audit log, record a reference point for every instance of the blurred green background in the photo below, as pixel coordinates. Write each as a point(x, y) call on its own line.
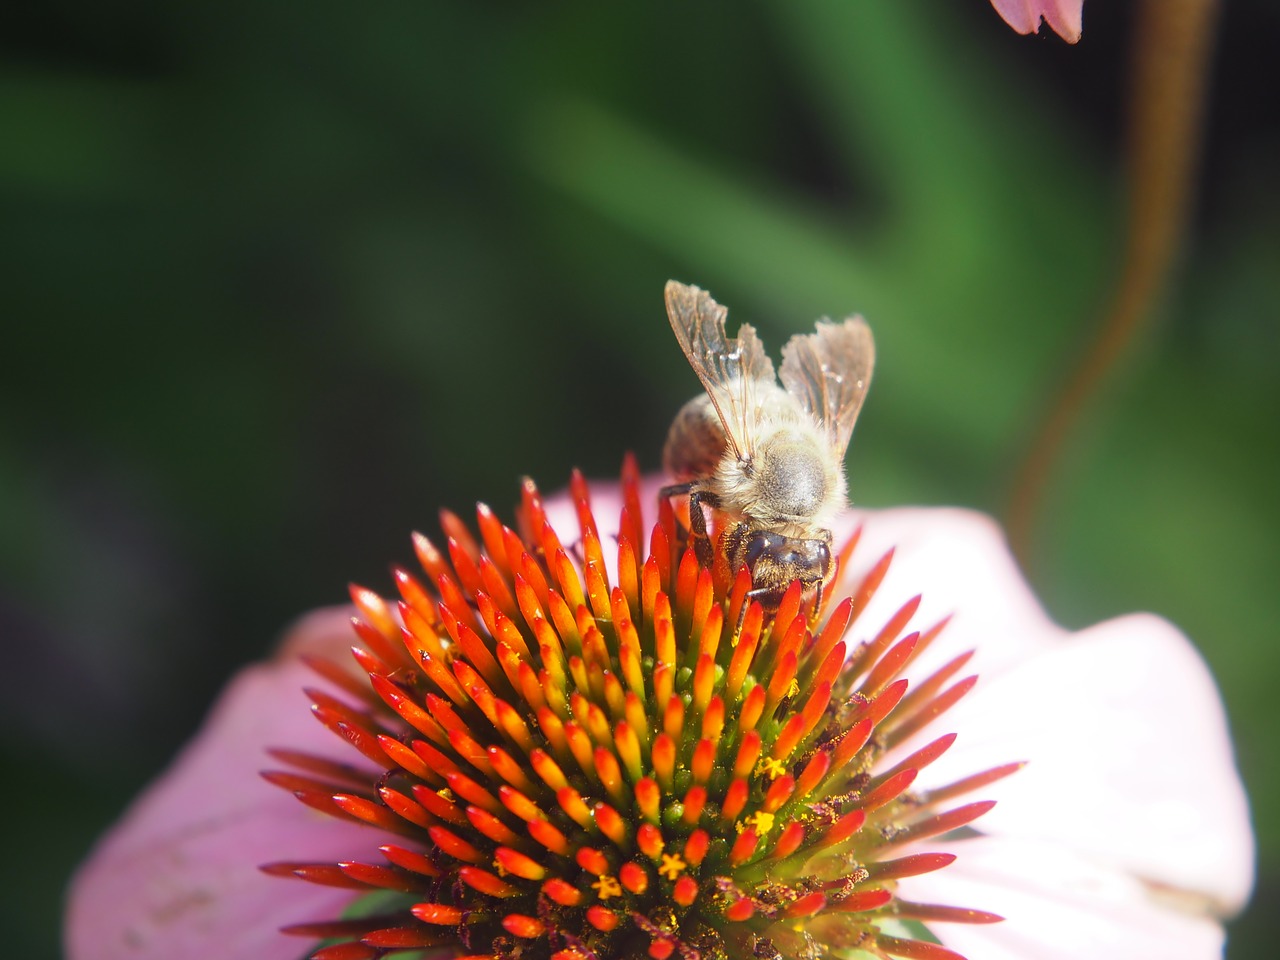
point(280, 279)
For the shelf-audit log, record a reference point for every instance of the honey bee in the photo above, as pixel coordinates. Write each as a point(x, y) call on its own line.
point(768, 459)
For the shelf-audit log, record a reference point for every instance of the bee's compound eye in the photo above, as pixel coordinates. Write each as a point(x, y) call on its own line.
point(760, 543)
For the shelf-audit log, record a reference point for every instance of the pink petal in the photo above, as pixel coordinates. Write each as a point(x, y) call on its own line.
point(1131, 764)
point(1064, 16)
point(1130, 759)
point(960, 562)
point(178, 877)
point(1059, 905)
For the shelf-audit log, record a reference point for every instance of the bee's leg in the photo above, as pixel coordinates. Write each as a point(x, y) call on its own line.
point(762, 594)
point(767, 597)
point(830, 570)
point(816, 612)
point(742, 618)
point(698, 526)
point(676, 490)
point(679, 490)
point(698, 536)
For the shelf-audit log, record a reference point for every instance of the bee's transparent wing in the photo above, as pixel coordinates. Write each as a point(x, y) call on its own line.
point(728, 368)
point(829, 372)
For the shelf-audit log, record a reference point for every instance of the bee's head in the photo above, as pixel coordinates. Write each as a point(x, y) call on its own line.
point(797, 557)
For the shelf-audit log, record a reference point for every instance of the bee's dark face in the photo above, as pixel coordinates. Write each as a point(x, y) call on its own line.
point(775, 561)
point(810, 556)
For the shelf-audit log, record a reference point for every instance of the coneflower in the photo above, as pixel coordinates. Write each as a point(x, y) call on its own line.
point(578, 759)
point(1098, 848)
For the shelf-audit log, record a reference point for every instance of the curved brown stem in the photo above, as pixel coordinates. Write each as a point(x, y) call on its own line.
point(1173, 43)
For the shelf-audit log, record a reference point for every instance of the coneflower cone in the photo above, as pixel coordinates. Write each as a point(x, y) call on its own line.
point(575, 765)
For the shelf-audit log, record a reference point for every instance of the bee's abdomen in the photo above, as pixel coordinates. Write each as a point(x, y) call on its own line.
point(696, 441)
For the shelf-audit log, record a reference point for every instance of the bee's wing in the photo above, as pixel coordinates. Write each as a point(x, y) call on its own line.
point(829, 372)
point(728, 368)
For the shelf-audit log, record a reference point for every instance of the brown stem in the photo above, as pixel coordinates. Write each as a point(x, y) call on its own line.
point(1173, 41)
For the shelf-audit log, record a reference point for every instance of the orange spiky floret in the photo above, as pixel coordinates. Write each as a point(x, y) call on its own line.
point(584, 769)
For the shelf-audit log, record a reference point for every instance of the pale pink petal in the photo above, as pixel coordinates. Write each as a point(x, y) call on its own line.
point(1064, 16)
point(1059, 905)
point(178, 877)
point(960, 562)
point(1017, 13)
point(1130, 761)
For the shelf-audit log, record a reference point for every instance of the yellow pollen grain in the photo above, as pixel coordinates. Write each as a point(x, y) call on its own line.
point(771, 768)
point(762, 823)
point(794, 688)
point(607, 886)
point(672, 865)
point(497, 865)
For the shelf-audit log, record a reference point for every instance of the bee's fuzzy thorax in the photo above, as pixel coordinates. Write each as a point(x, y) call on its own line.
point(790, 482)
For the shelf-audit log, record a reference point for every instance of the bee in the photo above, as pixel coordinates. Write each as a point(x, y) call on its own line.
point(768, 459)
